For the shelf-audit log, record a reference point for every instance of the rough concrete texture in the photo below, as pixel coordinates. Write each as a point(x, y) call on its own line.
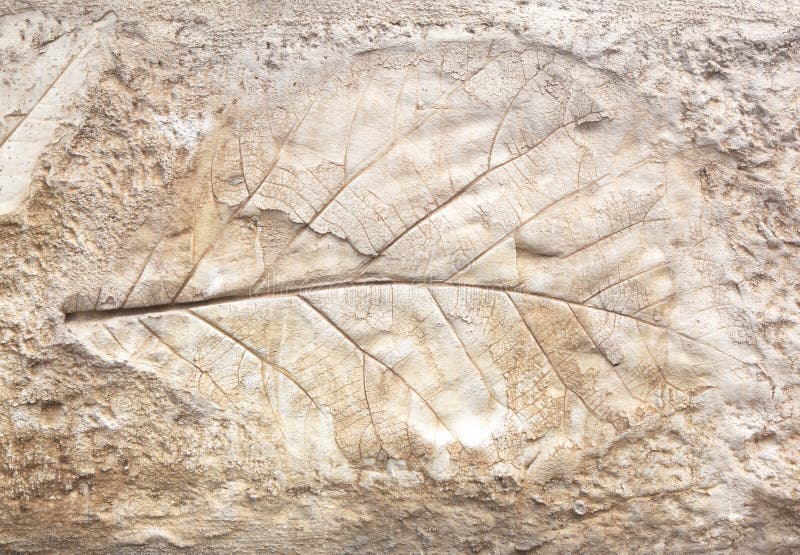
point(412, 277)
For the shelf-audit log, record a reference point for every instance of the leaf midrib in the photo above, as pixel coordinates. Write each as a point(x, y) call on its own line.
point(102, 315)
point(105, 314)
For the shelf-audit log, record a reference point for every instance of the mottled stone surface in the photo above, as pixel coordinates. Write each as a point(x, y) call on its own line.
point(328, 277)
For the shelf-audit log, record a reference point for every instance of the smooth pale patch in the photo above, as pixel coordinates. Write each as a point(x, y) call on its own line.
point(21, 147)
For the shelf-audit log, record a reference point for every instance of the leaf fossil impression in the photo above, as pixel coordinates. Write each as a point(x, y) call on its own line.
point(488, 257)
